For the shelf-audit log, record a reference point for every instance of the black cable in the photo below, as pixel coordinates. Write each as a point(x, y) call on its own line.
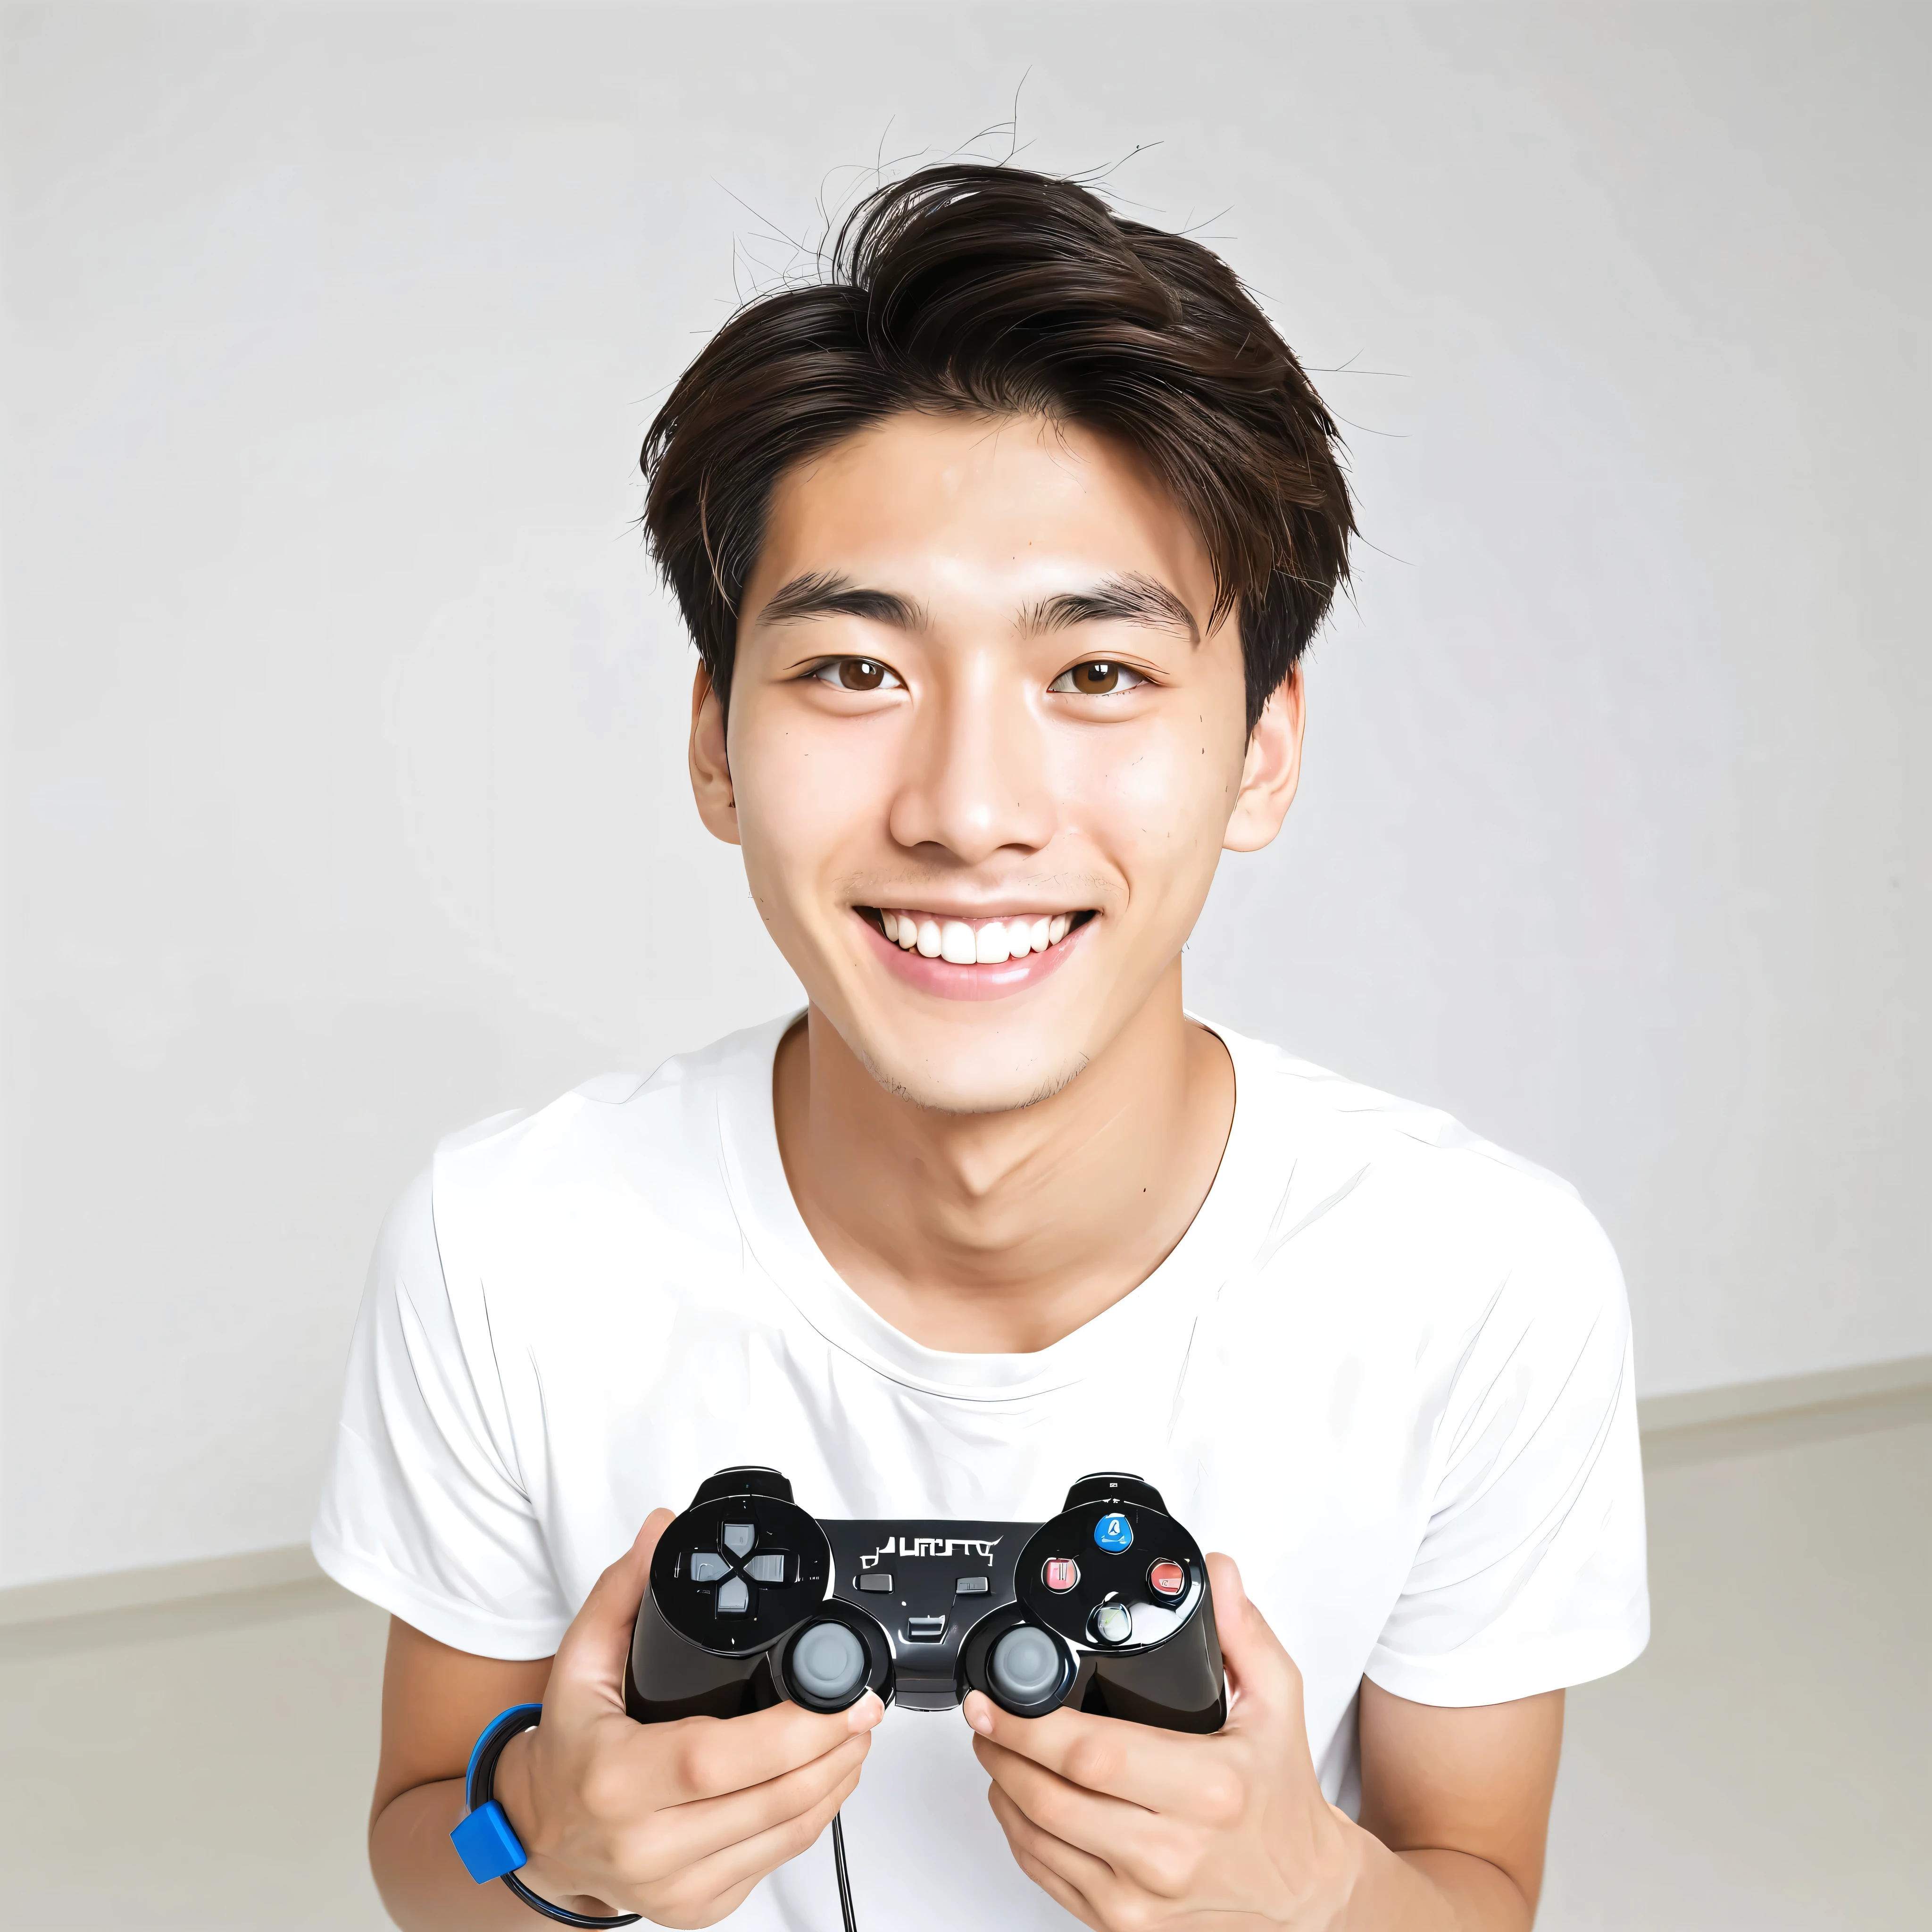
point(845, 1877)
point(479, 1786)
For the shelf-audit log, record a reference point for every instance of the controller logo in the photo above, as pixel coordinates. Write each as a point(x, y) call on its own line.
point(981, 1547)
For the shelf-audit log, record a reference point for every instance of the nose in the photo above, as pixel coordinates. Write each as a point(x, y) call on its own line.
point(975, 781)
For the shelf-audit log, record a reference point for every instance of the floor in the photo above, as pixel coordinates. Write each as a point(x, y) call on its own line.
point(1764, 1766)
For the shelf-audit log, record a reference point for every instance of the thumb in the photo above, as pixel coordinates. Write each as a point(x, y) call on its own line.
point(591, 1656)
point(1266, 1685)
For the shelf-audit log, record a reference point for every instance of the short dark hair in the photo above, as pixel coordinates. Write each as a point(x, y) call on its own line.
point(966, 287)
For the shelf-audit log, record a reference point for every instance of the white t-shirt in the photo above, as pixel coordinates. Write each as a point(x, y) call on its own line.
point(1387, 1368)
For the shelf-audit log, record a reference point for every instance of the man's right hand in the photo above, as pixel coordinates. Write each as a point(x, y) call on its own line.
point(677, 1821)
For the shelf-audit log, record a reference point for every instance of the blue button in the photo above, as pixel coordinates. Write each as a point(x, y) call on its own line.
point(1113, 1533)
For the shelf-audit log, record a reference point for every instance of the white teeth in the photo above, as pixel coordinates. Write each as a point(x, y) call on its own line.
point(963, 944)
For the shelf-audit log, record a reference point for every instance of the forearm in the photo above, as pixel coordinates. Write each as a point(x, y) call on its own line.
point(1426, 1890)
point(423, 1883)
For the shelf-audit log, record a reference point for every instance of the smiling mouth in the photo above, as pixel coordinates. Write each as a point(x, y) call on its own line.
point(973, 942)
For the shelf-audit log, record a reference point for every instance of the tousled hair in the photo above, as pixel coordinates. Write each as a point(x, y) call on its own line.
point(995, 290)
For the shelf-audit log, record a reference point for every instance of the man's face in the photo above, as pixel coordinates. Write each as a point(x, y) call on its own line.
point(983, 748)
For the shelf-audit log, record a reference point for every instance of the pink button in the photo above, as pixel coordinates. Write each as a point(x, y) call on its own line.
point(1168, 1579)
point(1062, 1573)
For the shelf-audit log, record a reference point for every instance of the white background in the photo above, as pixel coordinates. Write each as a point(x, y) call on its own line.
point(343, 799)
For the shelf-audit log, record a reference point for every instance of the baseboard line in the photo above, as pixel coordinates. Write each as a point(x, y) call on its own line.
point(1826, 1388)
point(248, 1569)
point(1750, 1418)
point(1701, 1425)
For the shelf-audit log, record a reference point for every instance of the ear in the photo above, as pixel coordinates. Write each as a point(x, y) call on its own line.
point(1272, 769)
point(710, 767)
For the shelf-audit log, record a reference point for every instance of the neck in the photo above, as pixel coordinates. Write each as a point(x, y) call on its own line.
point(1000, 1233)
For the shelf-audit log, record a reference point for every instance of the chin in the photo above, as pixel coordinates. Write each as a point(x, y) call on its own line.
point(967, 1081)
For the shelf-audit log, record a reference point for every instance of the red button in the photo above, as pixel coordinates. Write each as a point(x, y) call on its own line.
point(1168, 1579)
point(1062, 1573)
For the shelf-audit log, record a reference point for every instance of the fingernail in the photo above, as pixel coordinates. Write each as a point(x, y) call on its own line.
point(979, 1713)
point(867, 1712)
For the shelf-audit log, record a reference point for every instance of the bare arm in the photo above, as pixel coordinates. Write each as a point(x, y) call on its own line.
point(1462, 1798)
point(435, 1701)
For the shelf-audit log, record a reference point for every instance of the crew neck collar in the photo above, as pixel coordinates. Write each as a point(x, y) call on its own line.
point(1227, 1227)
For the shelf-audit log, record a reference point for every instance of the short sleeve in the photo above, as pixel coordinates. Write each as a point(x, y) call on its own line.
point(423, 1511)
point(1530, 1573)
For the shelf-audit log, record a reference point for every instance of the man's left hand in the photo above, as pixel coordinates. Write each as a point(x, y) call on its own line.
point(1132, 1828)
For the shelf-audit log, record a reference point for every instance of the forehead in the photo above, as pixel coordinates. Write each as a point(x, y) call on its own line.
point(974, 503)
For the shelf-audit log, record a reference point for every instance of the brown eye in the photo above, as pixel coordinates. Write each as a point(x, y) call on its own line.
point(856, 674)
point(1100, 677)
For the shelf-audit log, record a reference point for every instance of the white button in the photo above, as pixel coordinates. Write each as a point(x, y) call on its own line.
point(739, 1538)
point(734, 1598)
point(708, 1567)
point(1113, 1623)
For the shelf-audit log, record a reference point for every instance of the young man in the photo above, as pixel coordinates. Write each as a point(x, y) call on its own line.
point(1000, 549)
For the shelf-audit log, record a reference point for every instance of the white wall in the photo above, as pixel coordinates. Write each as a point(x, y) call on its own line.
point(343, 791)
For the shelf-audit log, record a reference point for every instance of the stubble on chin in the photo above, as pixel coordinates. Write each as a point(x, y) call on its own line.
point(934, 1097)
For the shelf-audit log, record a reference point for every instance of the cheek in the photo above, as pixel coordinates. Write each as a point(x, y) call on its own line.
point(1157, 801)
point(807, 806)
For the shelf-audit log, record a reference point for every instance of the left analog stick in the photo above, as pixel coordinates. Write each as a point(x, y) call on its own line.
point(828, 1664)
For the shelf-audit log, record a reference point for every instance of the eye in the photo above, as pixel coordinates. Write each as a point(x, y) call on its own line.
point(854, 674)
point(1102, 678)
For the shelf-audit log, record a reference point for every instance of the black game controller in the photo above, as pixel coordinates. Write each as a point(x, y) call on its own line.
point(1106, 1608)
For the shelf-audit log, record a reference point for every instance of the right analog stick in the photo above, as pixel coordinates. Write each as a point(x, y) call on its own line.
point(828, 1664)
point(1025, 1665)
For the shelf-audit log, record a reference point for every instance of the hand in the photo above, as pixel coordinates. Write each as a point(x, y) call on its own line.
point(677, 1821)
point(1132, 1828)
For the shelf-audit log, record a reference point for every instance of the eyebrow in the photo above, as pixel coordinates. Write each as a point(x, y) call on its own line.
point(1131, 599)
point(825, 593)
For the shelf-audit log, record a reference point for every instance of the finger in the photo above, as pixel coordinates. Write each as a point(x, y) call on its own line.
point(594, 1648)
point(1081, 1883)
point(1266, 1684)
point(1067, 1897)
point(1132, 1841)
point(696, 1758)
point(743, 1863)
point(685, 1834)
point(1159, 1770)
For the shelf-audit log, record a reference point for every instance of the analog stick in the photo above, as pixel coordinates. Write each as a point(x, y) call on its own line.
point(828, 1662)
point(1025, 1665)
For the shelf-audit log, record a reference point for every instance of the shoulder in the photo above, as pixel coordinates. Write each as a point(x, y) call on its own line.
point(661, 1132)
point(618, 1178)
point(1421, 1203)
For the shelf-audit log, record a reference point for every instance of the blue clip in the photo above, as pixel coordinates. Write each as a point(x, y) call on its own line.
point(486, 1844)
